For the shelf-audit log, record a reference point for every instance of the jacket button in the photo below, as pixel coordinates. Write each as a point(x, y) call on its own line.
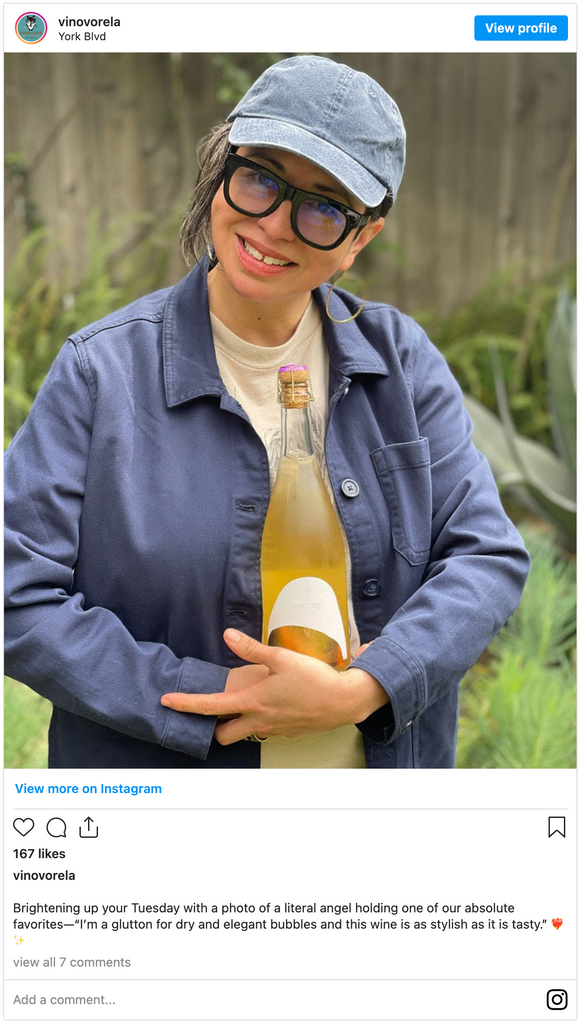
point(371, 588)
point(350, 488)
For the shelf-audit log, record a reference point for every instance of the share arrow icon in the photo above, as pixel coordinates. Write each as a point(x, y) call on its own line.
point(88, 830)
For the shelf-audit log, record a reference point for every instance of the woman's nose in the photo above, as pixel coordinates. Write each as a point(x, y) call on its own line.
point(278, 223)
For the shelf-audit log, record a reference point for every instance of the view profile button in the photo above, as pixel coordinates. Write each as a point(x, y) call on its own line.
point(503, 28)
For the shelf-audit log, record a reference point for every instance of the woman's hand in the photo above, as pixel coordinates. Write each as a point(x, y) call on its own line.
point(282, 693)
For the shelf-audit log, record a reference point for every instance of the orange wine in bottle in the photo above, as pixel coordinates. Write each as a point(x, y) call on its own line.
point(304, 582)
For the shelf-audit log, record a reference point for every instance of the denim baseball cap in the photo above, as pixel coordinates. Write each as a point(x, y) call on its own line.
point(337, 118)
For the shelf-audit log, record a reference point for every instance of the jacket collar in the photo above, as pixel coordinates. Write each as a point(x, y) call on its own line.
point(350, 352)
point(190, 368)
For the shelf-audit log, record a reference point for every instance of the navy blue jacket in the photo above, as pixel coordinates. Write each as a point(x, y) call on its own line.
point(136, 493)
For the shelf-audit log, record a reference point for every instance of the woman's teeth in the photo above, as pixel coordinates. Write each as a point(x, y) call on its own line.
point(270, 260)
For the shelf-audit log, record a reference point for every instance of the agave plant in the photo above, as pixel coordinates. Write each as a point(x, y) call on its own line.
point(542, 479)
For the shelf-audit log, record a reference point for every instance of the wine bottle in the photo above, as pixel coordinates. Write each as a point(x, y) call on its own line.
point(304, 583)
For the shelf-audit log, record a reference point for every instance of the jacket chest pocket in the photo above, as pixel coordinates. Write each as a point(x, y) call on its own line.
point(403, 470)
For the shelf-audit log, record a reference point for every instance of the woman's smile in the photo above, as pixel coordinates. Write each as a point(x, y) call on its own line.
point(261, 259)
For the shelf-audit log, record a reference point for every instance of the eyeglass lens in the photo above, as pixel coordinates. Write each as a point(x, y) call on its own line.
point(317, 220)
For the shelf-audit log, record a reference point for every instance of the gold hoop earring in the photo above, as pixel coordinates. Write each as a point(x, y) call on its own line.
point(334, 319)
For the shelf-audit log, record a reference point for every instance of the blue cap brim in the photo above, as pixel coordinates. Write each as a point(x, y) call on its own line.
point(261, 131)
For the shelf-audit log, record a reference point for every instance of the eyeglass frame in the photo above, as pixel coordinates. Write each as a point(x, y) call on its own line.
point(353, 219)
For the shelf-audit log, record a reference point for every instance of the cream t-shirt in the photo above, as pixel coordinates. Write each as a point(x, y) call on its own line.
point(249, 373)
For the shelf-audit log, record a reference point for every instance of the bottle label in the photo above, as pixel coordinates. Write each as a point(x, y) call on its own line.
point(311, 604)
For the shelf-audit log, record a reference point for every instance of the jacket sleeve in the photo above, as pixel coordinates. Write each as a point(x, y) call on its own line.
point(476, 570)
point(82, 659)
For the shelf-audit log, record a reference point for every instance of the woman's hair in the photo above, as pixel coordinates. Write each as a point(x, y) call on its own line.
point(195, 234)
point(213, 151)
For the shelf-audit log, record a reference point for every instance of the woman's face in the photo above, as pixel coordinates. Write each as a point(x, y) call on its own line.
point(235, 235)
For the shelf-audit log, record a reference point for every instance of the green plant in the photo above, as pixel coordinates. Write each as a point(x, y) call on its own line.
point(518, 707)
point(542, 479)
point(127, 260)
point(26, 719)
point(238, 72)
point(500, 314)
point(561, 355)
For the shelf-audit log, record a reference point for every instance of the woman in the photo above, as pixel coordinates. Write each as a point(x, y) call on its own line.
point(137, 488)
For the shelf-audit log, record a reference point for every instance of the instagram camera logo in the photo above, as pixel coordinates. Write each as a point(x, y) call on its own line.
point(557, 999)
point(31, 27)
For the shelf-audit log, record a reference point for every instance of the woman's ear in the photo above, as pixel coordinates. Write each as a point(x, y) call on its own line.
point(362, 239)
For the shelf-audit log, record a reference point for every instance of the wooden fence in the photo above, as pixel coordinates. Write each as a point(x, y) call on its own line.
point(489, 178)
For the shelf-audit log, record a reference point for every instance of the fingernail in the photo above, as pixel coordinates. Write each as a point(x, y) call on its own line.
point(233, 636)
point(166, 702)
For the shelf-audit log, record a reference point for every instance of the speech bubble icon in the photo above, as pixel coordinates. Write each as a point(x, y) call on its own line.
point(56, 828)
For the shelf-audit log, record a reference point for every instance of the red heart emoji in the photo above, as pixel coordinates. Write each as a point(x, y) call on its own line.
point(557, 922)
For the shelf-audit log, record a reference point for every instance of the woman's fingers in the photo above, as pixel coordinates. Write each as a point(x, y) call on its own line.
point(286, 693)
point(250, 650)
point(360, 651)
point(245, 675)
point(233, 731)
point(227, 707)
point(208, 703)
point(236, 699)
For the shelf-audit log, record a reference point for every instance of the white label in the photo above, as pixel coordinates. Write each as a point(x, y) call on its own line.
point(311, 603)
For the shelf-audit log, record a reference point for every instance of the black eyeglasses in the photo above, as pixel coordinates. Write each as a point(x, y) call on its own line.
point(256, 192)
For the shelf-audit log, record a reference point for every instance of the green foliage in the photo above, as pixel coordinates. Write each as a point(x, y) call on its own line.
point(18, 176)
point(238, 71)
point(26, 719)
point(517, 705)
point(543, 480)
point(515, 317)
point(125, 261)
point(562, 376)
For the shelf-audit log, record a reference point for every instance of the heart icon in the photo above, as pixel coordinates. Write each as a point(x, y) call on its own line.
point(23, 825)
point(557, 922)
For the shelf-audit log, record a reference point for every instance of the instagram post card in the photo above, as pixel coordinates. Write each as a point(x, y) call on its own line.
point(290, 483)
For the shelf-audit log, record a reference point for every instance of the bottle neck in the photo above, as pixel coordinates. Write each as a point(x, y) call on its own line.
point(296, 441)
